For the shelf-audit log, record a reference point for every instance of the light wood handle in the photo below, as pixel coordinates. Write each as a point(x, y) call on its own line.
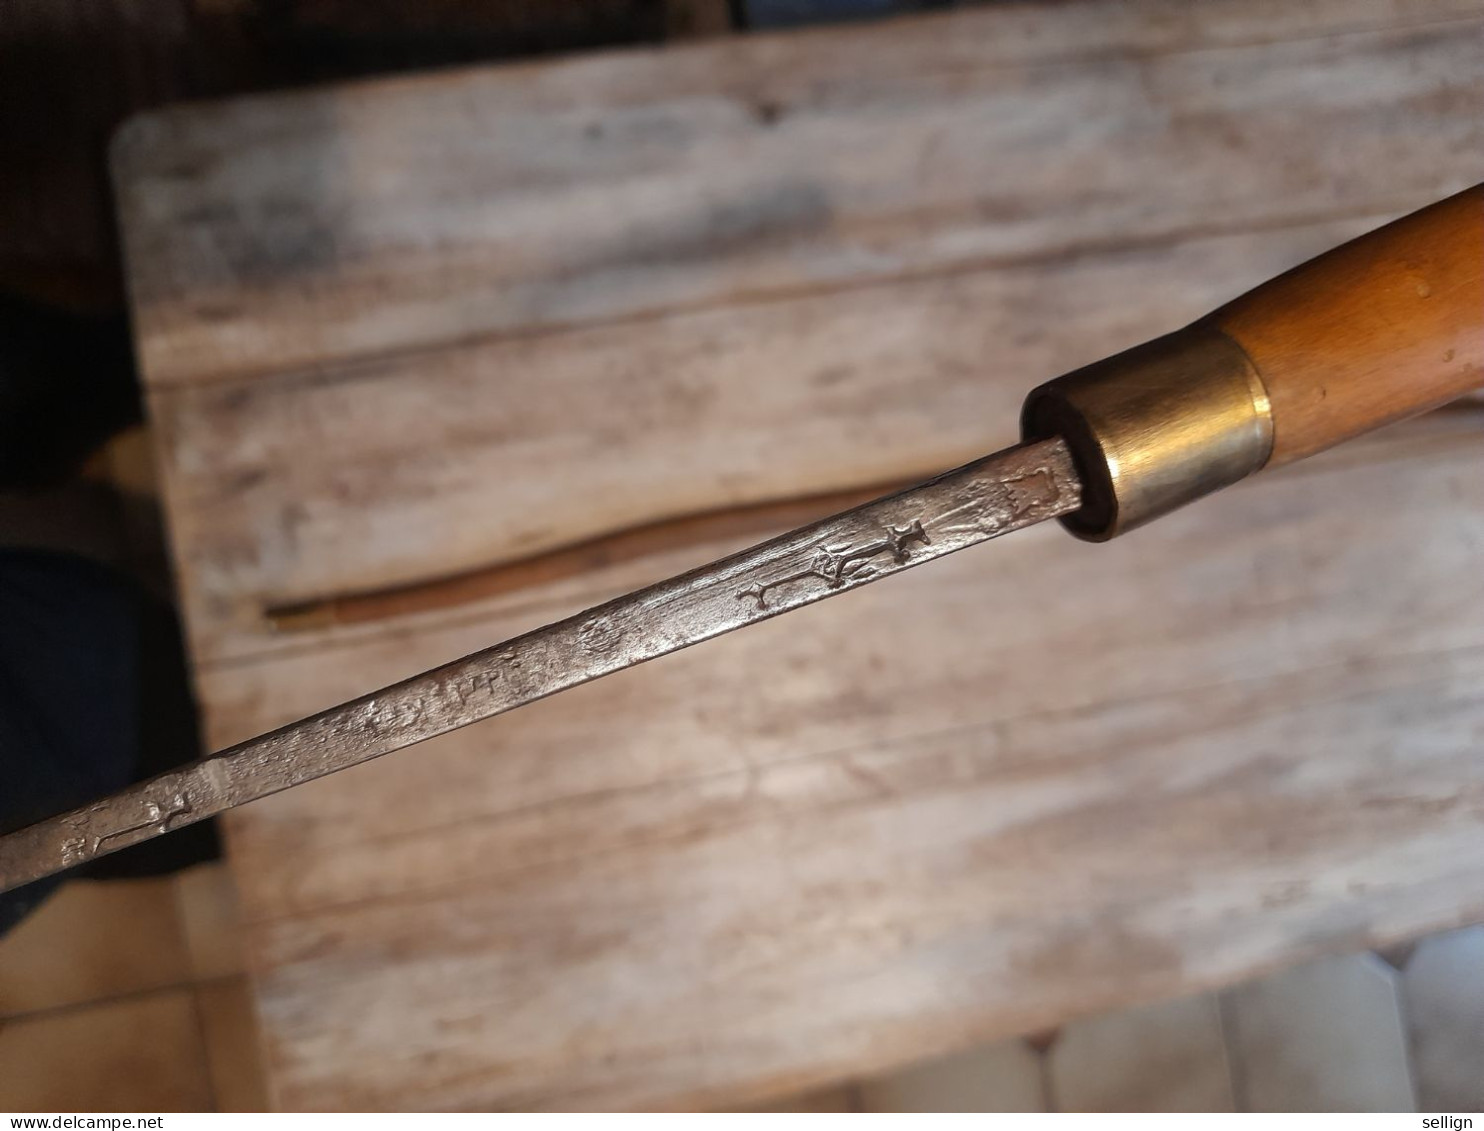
point(1382, 328)
point(1379, 329)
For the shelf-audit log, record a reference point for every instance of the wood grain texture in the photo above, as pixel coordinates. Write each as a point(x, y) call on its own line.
point(396, 331)
point(812, 394)
point(407, 250)
point(1384, 328)
point(1016, 788)
point(401, 214)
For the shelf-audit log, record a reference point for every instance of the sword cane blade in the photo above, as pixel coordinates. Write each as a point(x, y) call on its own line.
point(1001, 493)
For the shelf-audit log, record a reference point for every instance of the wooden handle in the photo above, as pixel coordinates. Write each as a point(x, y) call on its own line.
point(1387, 326)
point(1379, 329)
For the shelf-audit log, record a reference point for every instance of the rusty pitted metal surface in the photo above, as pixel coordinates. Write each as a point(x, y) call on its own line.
point(981, 500)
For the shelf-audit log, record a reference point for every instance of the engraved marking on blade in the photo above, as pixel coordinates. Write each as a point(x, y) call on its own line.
point(475, 685)
point(1038, 489)
point(598, 635)
point(994, 505)
point(837, 565)
point(984, 502)
point(78, 849)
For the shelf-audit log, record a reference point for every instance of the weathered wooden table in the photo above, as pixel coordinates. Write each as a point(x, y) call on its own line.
point(436, 359)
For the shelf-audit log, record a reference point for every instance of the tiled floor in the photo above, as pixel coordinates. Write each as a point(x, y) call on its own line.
point(1353, 1033)
point(131, 995)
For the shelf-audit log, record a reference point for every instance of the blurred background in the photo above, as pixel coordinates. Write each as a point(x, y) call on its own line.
point(308, 392)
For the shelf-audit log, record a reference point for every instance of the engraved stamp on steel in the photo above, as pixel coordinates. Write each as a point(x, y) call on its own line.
point(837, 565)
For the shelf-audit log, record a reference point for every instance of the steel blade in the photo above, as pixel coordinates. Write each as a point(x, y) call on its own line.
point(987, 498)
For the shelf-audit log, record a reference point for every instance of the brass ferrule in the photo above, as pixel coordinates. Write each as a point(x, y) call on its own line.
point(1155, 427)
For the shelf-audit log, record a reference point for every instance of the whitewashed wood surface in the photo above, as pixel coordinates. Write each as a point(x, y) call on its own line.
point(399, 331)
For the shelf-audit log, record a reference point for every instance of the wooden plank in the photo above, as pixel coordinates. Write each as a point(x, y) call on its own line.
point(916, 816)
point(1244, 557)
point(291, 231)
point(292, 490)
point(399, 330)
point(275, 477)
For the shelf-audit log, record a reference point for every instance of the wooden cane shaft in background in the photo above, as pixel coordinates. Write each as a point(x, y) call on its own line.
point(1379, 329)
